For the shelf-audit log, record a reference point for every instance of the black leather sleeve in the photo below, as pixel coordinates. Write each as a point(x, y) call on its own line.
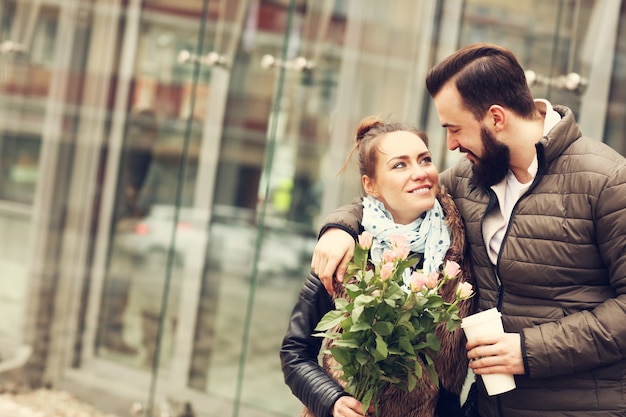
point(300, 351)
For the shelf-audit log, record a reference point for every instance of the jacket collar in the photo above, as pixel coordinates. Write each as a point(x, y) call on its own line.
point(559, 137)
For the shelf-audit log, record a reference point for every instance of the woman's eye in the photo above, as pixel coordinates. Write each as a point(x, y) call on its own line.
point(426, 160)
point(399, 165)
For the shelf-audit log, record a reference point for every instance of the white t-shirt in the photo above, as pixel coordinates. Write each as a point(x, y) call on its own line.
point(510, 190)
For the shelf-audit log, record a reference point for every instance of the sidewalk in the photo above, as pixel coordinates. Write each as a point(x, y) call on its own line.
point(45, 403)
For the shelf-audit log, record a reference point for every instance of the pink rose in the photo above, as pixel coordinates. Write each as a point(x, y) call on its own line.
point(452, 269)
point(389, 255)
point(417, 281)
point(365, 240)
point(398, 241)
point(386, 271)
point(400, 246)
point(432, 280)
point(464, 290)
point(402, 253)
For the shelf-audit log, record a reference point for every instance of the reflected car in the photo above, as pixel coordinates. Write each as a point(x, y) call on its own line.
point(150, 238)
point(231, 238)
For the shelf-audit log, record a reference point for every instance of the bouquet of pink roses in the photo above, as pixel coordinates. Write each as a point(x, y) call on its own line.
point(384, 332)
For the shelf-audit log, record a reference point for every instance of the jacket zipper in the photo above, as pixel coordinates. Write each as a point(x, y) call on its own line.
point(490, 205)
point(496, 267)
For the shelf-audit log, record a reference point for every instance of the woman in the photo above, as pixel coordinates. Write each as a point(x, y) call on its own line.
point(400, 180)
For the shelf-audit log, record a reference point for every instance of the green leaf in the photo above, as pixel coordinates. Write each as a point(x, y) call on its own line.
point(367, 400)
point(360, 256)
point(405, 317)
point(409, 262)
point(411, 382)
point(330, 320)
point(347, 343)
point(395, 292)
point(352, 270)
point(432, 374)
point(362, 357)
point(360, 326)
point(410, 302)
point(346, 324)
point(433, 342)
point(434, 302)
point(353, 291)
point(383, 328)
point(394, 351)
point(405, 344)
point(419, 371)
point(356, 313)
point(342, 356)
point(380, 352)
point(364, 300)
point(341, 304)
point(391, 303)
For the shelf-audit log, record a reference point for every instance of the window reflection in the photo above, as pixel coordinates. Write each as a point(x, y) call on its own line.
point(18, 167)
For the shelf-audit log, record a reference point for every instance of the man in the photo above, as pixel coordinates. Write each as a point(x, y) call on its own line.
point(544, 208)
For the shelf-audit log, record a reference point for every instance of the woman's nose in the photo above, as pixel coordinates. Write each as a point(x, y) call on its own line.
point(418, 172)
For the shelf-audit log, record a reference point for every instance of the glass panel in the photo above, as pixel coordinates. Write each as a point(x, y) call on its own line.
point(562, 45)
point(156, 229)
point(301, 79)
point(25, 75)
point(551, 48)
point(616, 113)
point(241, 254)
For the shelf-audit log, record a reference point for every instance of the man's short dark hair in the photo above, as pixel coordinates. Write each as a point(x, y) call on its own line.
point(484, 74)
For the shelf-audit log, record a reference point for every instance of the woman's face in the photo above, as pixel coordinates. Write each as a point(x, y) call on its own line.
point(405, 178)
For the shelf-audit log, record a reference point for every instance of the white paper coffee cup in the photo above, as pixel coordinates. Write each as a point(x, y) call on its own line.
point(483, 323)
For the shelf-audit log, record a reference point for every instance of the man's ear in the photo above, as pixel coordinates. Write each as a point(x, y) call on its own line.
point(497, 117)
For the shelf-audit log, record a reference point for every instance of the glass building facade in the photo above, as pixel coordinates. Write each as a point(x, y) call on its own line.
point(165, 165)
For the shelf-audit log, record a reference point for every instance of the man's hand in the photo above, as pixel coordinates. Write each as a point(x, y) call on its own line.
point(496, 354)
point(333, 251)
point(347, 407)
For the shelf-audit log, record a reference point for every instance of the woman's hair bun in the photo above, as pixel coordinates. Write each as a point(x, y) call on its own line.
point(367, 124)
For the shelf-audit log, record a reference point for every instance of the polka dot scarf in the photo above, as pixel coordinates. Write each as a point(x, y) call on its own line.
point(427, 235)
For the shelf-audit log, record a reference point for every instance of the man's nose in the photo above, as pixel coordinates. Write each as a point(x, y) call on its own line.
point(453, 144)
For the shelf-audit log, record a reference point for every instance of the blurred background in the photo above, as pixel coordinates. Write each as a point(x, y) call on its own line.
point(165, 166)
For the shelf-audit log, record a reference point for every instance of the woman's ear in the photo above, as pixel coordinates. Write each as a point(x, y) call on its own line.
point(368, 185)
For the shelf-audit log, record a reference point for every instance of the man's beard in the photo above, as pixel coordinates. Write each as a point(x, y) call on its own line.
point(493, 166)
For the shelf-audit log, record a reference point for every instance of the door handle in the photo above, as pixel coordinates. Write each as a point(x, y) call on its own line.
point(300, 63)
point(212, 59)
point(571, 82)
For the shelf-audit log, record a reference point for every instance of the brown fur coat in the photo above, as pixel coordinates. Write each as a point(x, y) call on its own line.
point(451, 361)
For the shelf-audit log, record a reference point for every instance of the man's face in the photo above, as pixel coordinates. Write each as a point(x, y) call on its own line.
point(470, 136)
